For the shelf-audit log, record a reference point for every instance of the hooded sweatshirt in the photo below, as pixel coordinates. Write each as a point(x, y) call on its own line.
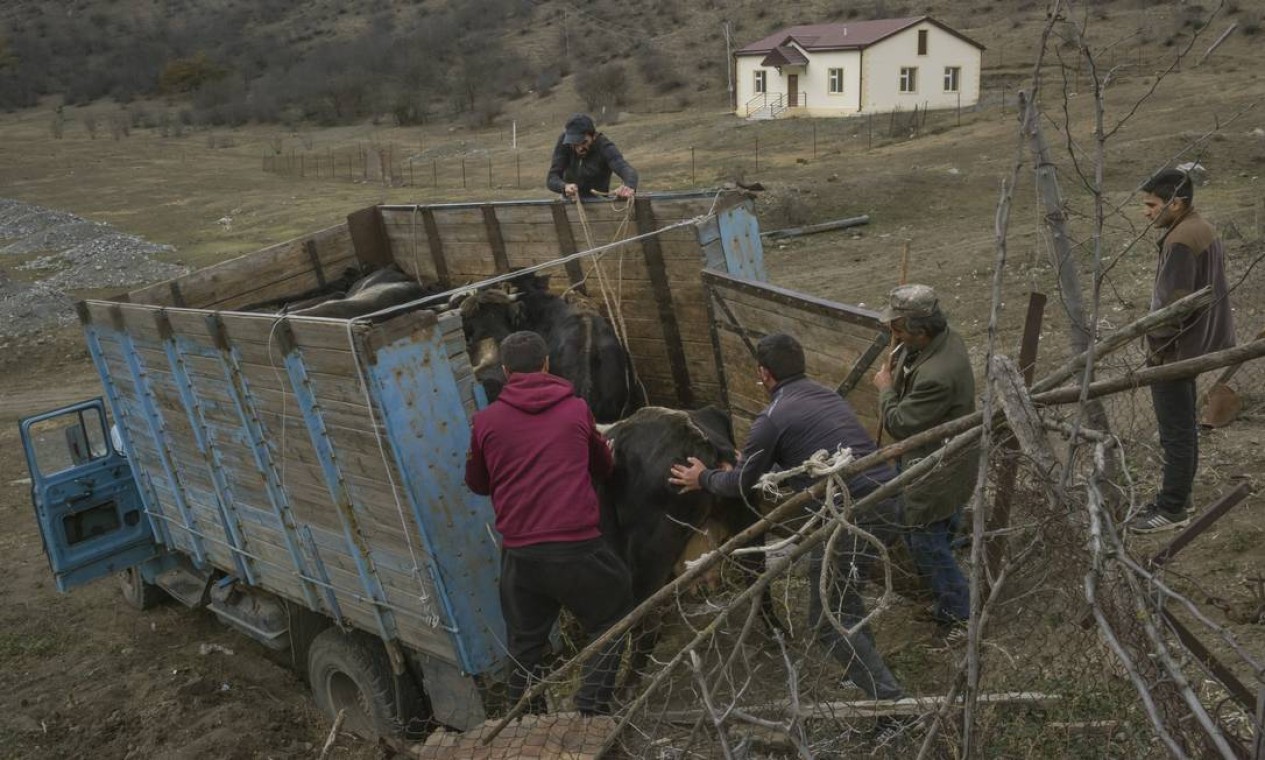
point(535, 451)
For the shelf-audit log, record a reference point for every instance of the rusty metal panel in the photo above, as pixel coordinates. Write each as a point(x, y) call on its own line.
point(740, 241)
point(417, 395)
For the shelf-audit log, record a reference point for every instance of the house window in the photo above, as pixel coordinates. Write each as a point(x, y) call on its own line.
point(761, 81)
point(952, 76)
point(922, 42)
point(836, 81)
point(909, 79)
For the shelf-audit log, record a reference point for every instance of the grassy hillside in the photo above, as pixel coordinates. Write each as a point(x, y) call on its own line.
point(418, 61)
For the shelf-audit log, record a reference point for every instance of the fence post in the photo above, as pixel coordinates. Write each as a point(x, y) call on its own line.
point(757, 153)
point(869, 131)
point(518, 169)
point(434, 173)
point(410, 173)
point(694, 181)
point(463, 172)
point(959, 104)
point(814, 141)
point(490, 169)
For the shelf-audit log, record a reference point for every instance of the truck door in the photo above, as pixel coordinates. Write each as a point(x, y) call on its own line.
point(89, 511)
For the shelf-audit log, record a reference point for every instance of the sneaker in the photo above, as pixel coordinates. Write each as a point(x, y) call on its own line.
point(1152, 519)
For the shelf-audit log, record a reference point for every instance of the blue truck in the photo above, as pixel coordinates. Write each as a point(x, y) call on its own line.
point(301, 477)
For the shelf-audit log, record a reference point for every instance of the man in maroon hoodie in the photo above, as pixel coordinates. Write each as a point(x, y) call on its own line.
point(535, 451)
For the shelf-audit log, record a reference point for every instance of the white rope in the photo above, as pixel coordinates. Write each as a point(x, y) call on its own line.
point(837, 509)
point(821, 464)
point(614, 305)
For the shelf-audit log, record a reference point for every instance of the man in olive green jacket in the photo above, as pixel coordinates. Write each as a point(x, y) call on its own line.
point(926, 381)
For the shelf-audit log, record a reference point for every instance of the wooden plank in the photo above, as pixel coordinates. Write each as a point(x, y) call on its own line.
point(368, 237)
point(663, 297)
point(285, 267)
point(807, 320)
point(566, 244)
point(436, 245)
point(764, 291)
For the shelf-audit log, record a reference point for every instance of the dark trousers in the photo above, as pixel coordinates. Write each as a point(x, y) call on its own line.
point(931, 547)
point(853, 560)
point(589, 580)
point(1178, 423)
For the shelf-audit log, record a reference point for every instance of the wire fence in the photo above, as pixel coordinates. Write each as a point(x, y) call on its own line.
point(785, 141)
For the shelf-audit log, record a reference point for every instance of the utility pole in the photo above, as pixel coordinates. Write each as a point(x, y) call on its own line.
point(729, 70)
point(566, 38)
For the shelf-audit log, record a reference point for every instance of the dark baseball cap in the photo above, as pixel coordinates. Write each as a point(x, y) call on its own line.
point(579, 127)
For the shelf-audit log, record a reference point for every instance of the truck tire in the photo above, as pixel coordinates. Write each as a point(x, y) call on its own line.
point(351, 672)
point(137, 592)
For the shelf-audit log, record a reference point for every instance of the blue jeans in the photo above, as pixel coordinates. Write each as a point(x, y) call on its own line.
point(932, 552)
point(1177, 418)
point(853, 562)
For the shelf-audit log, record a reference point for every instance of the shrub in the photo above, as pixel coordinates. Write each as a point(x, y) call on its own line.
point(189, 74)
point(602, 86)
point(546, 80)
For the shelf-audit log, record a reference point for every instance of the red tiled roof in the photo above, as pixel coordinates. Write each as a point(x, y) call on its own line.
point(851, 35)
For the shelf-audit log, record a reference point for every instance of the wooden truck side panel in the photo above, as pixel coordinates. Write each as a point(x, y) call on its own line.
point(263, 458)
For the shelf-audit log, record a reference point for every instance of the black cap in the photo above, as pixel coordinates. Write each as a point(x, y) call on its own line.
point(579, 127)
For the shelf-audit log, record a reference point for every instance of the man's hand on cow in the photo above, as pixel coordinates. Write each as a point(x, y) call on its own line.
point(570, 189)
point(685, 476)
point(624, 191)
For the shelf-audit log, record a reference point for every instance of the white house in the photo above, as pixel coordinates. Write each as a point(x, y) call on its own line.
point(857, 67)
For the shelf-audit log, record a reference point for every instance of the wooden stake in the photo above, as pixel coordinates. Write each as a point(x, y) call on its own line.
point(904, 279)
point(333, 734)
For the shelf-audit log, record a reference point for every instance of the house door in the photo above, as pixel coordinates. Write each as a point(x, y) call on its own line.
point(792, 90)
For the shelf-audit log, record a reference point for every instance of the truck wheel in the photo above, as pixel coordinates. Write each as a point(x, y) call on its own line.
point(351, 672)
point(137, 592)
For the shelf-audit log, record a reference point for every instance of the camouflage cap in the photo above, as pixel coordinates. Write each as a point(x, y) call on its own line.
point(910, 301)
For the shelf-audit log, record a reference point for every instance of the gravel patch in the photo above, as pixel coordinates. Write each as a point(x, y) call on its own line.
point(27, 309)
point(24, 219)
point(58, 238)
point(80, 255)
point(111, 260)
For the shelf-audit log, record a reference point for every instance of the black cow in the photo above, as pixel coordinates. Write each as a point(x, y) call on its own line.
point(335, 288)
point(583, 347)
point(381, 289)
point(649, 522)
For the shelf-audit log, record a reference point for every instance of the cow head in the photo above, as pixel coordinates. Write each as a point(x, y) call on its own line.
point(487, 317)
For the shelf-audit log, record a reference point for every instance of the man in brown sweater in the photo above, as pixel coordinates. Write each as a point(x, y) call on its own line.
point(1190, 257)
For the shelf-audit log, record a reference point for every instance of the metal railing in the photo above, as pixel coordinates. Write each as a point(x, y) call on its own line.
point(775, 103)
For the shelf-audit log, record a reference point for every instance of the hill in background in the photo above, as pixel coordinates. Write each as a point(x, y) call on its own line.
point(229, 62)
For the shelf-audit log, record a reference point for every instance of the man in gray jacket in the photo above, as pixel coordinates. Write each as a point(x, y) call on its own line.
point(802, 418)
point(927, 381)
point(1191, 257)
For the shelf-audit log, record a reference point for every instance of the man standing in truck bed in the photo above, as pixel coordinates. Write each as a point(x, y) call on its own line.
point(584, 159)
